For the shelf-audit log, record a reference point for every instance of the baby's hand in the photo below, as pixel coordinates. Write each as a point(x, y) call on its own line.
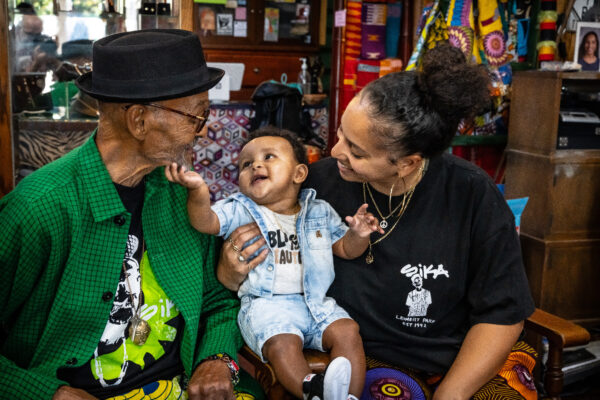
point(364, 223)
point(179, 174)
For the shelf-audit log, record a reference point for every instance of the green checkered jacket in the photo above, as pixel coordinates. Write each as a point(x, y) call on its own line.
point(63, 234)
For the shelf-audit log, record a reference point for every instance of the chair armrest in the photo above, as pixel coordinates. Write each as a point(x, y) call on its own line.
point(559, 331)
point(561, 334)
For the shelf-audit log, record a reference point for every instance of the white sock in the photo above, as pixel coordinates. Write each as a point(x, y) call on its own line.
point(352, 397)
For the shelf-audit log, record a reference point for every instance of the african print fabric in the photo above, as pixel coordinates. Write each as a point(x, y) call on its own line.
point(514, 380)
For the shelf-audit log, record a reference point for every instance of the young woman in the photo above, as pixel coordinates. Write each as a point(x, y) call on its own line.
point(441, 295)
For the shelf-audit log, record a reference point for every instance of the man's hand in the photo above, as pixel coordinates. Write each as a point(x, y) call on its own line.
point(364, 223)
point(69, 393)
point(211, 381)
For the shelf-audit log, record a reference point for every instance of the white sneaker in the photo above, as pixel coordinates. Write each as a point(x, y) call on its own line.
point(337, 379)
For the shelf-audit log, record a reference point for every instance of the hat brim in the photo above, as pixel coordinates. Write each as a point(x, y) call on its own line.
point(84, 83)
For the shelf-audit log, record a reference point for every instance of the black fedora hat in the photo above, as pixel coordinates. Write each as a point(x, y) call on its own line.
point(148, 65)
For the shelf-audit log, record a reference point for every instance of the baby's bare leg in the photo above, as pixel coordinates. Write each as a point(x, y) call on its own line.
point(284, 353)
point(341, 338)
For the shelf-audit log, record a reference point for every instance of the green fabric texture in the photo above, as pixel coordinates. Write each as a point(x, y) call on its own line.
point(61, 251)
point(248, 385)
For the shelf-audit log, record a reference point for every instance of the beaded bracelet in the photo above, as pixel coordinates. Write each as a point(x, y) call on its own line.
point(231, 364)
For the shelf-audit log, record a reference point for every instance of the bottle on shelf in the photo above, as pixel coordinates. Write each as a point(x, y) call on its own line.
point(304, 77)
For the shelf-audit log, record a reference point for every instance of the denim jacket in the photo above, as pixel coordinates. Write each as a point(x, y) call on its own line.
point(318, 226)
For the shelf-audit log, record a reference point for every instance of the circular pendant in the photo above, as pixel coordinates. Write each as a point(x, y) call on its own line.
point(139, 330)
point(383, 224)
point(369, 259)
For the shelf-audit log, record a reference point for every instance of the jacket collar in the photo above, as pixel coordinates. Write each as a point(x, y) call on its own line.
point(103, 197)
point(305, 195)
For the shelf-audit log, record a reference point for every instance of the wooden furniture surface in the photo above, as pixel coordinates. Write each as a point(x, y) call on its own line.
point(259, 67)
point(561, 334)
point(560, 230)
point(264, 60)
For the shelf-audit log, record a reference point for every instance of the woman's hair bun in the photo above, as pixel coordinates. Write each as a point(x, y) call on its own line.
point(441, 57)
point(451, 86)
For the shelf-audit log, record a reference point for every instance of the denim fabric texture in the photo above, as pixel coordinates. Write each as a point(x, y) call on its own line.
point(262, 318)
point(318, 226)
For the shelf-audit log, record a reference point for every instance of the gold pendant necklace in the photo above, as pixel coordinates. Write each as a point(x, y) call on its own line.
point(406, 197)
point(383, 223)
point(139, 329)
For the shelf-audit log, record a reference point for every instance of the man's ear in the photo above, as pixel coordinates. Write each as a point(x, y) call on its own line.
point(300, 173)
point(135, 120)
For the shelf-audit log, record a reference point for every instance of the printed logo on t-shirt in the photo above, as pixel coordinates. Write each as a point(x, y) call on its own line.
point(419, 299)
point(116, 353)
point(285, 247)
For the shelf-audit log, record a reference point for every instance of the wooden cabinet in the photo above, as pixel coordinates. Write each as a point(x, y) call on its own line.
point(268, 37)
point(560, 227)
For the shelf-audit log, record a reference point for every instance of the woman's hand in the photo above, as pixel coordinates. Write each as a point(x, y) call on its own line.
point(231, 271)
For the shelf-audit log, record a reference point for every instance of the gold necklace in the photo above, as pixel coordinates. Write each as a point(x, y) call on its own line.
point(139, 329)
point(383, 223)
point(406, 197)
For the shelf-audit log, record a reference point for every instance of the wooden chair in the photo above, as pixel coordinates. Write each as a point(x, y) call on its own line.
point(561, 334)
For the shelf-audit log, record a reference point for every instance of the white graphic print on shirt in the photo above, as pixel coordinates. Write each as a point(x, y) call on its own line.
point(419, 299)
point(283, 241)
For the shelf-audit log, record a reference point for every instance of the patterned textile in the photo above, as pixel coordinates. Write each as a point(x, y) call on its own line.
point(159, 390)
point(173, 390)
point(514, 380)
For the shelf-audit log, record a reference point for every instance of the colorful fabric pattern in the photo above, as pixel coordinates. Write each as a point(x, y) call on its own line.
point(514, 380)
point(159, 390)
point(353, 30)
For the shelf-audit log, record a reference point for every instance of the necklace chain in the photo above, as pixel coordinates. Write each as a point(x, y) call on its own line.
point(406, 197)
point(392, 212)
point(139, 329)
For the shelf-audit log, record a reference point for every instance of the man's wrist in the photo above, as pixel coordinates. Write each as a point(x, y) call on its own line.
point(234, 369)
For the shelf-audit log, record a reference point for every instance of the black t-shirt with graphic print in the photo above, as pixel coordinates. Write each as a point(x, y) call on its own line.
point(452, 261)
point(132, 374)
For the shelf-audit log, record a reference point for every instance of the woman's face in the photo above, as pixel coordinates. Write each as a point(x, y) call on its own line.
point(358, 156)
point(590, 45)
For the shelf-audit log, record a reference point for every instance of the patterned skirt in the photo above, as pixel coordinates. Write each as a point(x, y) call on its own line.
point(513, 381)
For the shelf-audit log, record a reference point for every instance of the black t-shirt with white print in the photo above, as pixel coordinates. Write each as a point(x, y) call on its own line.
point(452, 261)
point(132, 375)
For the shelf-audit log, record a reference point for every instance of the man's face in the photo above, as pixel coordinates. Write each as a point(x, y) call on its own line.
point(171, 136)
point(417, 281)
point(267, 169)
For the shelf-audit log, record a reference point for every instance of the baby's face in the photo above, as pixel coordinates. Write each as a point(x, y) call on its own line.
point(268, 170)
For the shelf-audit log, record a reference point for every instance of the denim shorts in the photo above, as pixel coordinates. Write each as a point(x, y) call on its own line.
point(261, 318)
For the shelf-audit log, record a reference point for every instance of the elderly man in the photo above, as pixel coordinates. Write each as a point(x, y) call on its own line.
point(106, 288)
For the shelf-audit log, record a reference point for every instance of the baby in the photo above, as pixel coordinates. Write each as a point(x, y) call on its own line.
point(284, 307)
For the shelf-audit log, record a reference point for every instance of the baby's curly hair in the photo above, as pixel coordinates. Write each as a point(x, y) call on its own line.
point(291, 137)
point(419, 112)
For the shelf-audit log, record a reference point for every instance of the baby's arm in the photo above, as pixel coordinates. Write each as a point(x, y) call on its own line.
point(356, 240)
point(198, 204)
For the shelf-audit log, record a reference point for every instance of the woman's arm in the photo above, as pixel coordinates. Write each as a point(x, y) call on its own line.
point(230, 271)
point(482, 354)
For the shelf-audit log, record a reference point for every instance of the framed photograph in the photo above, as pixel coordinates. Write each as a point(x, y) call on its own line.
point(225, 24)
point(582, 11)
point(586, 46)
